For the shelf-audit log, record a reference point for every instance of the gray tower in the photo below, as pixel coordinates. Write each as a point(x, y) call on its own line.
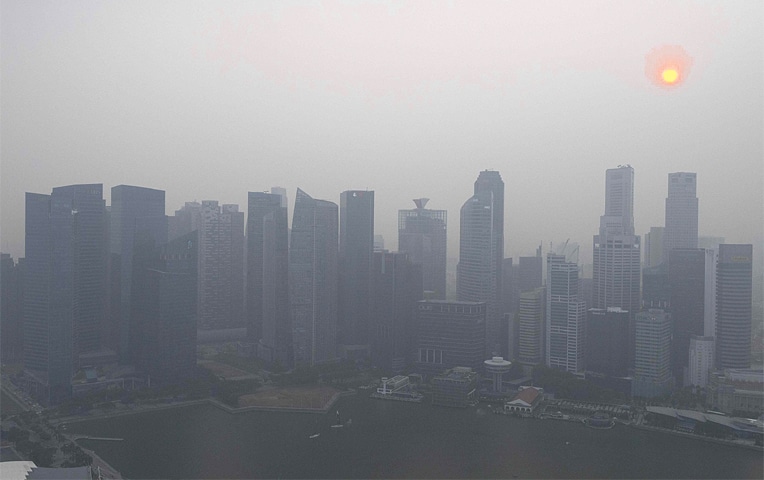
point(734, 290)
point(422, 235)
point(681, 213)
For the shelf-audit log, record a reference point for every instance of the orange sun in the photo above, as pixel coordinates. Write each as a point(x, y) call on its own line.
point(667, 66)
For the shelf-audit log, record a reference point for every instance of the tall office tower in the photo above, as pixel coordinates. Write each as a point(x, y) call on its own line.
point(313, 280)
point(734, 285)
point(268, 315)
point(481, 253)
point(686, 284)
point(701, 360)
point(616, 266)
point(530, 329)
point(654, 247)
point(607, 342)
point(709, 292)
point(397, 286)
point(422, 235)
point(509, 294)
point(187, 218)
point(355, 260)
point(130, 207)
point(164, 303)
point(530, 272)
point(64, 284)
point(652, 364)
point(565, 315)
point(449, 334)
point(11, 309)
point(681, 213)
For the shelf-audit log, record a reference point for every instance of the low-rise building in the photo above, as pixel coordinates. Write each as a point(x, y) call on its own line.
point(456, 387)
point(737, 390)
point(525, 402)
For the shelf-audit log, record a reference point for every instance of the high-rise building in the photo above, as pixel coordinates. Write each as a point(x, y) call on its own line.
point(268, 276)
point(652, 363)
point(686, 284)
point(397, 286)
point(701, 360)
point(565, 315)
point(221, 257)
point(709, 292)
point(481, 253)
point(654, 246)
point(530, 329)
point(681, 213)
point(164, 307)
point(131, 208)
point(616, 268)
point(530, 272)
point(734, 283)
point(655, 287)
point(355, 266)
point(449, 334)
point(313, 280)
point(64, 288)
point(422, 235)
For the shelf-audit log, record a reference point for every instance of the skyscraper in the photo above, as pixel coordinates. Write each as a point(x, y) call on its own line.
point(131, 208)
point(64, 284)
point(11, 309)
point(654, 246)
point(531, 332)
point(607, 342)
point(616, 268)
point(686, 284)
point(481, 253)
point(221, 256)
point(422, 235)
point(681, 213)
point(652, 365)
point(313, 280)
point(355, 261)
point(268, 316)
point(565, 316)
point(734, 271)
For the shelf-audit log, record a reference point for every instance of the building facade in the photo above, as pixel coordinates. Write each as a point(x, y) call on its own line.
point(481, 253)
point(565, 316)
point(701, 360)
point(652, 363)
point(313, 280)
point(607, 342)
point(687, 286)
point(530, 329)
point(681, 213)
point(734, 289)
point(422, 235)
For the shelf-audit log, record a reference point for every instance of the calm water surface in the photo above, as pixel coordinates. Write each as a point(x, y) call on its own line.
point(388, 439)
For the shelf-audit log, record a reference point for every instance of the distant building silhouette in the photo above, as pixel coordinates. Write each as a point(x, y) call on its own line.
point(686, 286)
point(131, 207)
point(11, 309)
point(397, 287)
point(734, 288)
point(164, 307)
point(422, 235)
point(607, 342)
point(654, 246)
point(481, 254)
point(64, 285)
point(681, 213)
point(449, 334)
point(313, 280)
point(529, 272)
point(355, 265)
point(565, 316)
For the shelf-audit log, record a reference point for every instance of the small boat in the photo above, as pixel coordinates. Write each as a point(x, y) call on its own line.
point(339, 421)
point(314, 435)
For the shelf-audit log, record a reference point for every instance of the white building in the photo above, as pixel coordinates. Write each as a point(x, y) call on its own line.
point(701, 360)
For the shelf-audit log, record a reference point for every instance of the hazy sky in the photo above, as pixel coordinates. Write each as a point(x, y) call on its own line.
point(210, 100)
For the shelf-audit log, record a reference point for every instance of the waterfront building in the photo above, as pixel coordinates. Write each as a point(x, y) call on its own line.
point(132, 208)
point(526, 401)
point(616, 267)
point(701, 360)
point(652, 363)
point(356, 246)
point(164, 309)
point(449, 334)
point(565, 316)
point(313, 280)
point(268, 311)
point(11, 309)
point(733, 306)
point(221, 258)
point(481, 253)
point(495, 368)
point(737, 391)
point(422, 235)
point(607, 341)
point(681, 213)
point(456, 387)
point(64, 285)
point(397, 286)
point(654, 247)
point(530, 319)
point(686, 287)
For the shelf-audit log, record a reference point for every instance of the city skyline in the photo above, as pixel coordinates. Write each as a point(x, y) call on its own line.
point(171, 99)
